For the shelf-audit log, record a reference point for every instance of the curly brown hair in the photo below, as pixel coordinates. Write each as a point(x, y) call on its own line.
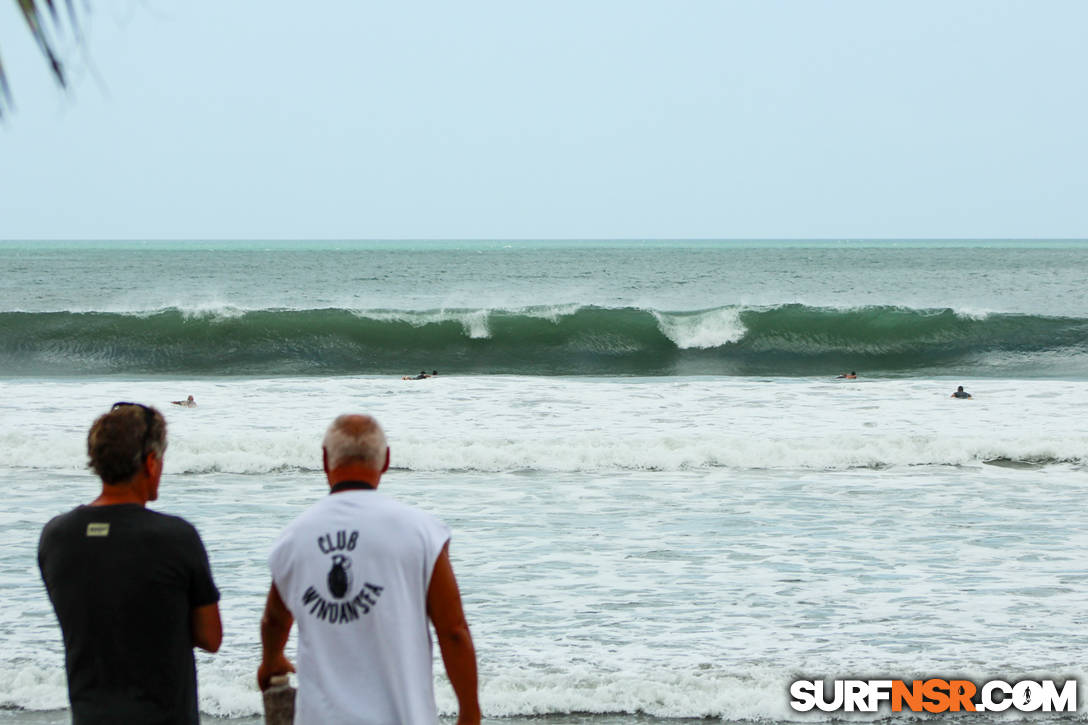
point(120, 440)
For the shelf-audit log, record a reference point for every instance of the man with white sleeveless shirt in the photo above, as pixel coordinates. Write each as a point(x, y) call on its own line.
point(362, 574)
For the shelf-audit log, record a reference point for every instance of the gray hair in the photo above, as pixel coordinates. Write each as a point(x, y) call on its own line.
point(355, 438)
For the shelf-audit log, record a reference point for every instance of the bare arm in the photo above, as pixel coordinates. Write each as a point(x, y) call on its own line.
point(454, 639)
point(275, 629)
point(207, 627)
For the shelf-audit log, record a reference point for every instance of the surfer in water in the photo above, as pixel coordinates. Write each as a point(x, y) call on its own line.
point(961, 393)
point(852, 375)
point(187, 403)
point(422, 375)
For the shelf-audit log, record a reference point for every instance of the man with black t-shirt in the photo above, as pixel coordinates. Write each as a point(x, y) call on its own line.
point(132, 588)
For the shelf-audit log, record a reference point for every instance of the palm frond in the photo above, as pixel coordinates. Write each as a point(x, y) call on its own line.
point(73, 20)
point(5, 91)
point(32, 13)
point(34, 22)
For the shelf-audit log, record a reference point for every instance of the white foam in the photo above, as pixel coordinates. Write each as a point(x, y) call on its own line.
point(267, 452)
point(550, 424)
point(662, 693)
point(712, 328)
point(33, 687)
point(211, 311)
point(972, 313)
point(754, 693)
point(474, 322)
point(552, 313)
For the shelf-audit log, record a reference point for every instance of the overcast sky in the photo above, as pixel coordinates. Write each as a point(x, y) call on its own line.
point(224, 119)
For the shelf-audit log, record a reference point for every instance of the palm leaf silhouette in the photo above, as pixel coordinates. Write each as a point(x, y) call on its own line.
point(40, 25)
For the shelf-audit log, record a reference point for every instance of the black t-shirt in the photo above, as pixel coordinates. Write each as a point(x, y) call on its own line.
point(124, 581)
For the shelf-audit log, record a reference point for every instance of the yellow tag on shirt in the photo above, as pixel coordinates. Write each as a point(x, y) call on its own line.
point(98, 529)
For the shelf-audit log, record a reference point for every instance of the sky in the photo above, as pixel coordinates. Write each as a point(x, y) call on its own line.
point(596, 119)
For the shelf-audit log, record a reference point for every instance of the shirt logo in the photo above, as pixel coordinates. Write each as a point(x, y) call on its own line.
point(98, 529)
point(338, 583)
point(340, 576)
point(341, 612)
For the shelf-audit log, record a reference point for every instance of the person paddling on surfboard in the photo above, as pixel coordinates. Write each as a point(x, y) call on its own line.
point(852, 375)
point(961, 393)
point(187, 403)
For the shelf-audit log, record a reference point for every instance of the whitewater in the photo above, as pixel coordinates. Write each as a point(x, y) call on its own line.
point(515, 423)
point(679, 549)
point(664, 503)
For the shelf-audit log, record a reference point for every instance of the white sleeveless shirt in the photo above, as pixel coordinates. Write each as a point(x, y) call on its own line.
point(354, 570)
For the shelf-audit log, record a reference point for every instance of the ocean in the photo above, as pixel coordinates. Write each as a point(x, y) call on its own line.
point(665, 504)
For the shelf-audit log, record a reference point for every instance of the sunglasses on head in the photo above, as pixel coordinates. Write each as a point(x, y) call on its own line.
point(149, 419)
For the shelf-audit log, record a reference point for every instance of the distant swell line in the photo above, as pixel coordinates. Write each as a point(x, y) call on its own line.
point(786, 340)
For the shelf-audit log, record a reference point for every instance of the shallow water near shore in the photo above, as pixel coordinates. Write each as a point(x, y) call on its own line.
point(62, 717)
point(597, 584)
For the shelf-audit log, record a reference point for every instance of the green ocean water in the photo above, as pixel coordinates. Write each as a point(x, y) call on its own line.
point(545, 308)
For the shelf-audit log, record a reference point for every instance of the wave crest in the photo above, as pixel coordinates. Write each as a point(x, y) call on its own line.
point(784, 340)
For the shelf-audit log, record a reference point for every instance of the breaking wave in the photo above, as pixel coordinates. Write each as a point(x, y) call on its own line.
point(785, 340)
